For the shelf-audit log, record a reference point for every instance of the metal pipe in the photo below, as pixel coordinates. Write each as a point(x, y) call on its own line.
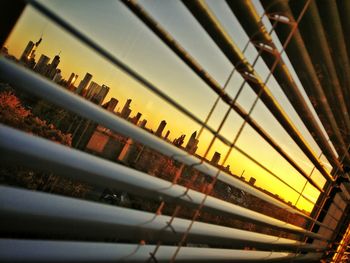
point(250, 21)
point(344, 11)
point(14, 250)
point(333, 30)
point(24, 79)
point(306, 72)
point(25, 211)
point(211, 82)
point(317, 46)
point(212, 26)
point(39, 153)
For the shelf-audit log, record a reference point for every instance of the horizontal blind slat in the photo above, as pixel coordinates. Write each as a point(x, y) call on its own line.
point(41, 153)
point(27, 211)
point(12, 250)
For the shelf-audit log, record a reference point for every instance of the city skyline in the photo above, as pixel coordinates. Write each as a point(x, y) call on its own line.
point(96, 93)
point(118, 82)
point(86, 85)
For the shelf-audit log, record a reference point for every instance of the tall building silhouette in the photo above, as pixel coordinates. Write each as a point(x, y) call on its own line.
point(92, 89)
point(167, 134)
point(160, 128)
point(72, 78)
point(27, 51)
point(143, 123)
point(84, 83)
point(179, 141)
point(96, 93)
point(252, 181)
point(125, 113)
point(58, 76)
point(136, 118)
point(191, 146)
point(99, 96)
point(52, 68)
point(41, 66)
point(216, 158)
point(111, 104)
point(127, 154)
point(28, 55)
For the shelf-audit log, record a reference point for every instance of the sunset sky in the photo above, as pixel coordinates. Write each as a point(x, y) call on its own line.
point(129, 40)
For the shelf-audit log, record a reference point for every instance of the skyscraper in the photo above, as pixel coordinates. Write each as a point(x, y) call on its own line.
point(127, 153)
point(216, 158)
point(191, 146)
point(41, 66)
point(111, 104)
point(92, 90)
point(179, 141)
point(143, 123)
point(252, 180)
point(58, 77)
point(52, 68)
point(71, 81)
point(161, 128)
point(167, 135)
point(27, 51)
point(136, 118)
point(125, 113)
point(96, 93)
point(28, 55)
point(99, 96)
point(84, 83)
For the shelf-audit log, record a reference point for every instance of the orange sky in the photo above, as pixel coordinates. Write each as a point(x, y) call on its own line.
point(142, 51)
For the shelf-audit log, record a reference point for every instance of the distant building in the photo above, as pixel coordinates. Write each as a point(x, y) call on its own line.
point(227, 168)
point(100, 95)
point(28, 55)
point(126, 110)
point(70, 83)
point(128, 152)
point(111, 104)
point(216, 158)
point(96, 93)
point(104, 144)
point(27, 51)
point(92, 89)
point(58, 77)
point(52, 68)
point(41, 66)
point(136, 118)
point(252, 181)
point(167, 135)
point(160, 128)
point(143, 123)
point(179, 141)
point(71, 78)
point(97, 142)
point(191, 146)
point(84, 83)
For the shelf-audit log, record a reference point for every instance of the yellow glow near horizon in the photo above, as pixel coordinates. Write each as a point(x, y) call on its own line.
point(79, 59)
